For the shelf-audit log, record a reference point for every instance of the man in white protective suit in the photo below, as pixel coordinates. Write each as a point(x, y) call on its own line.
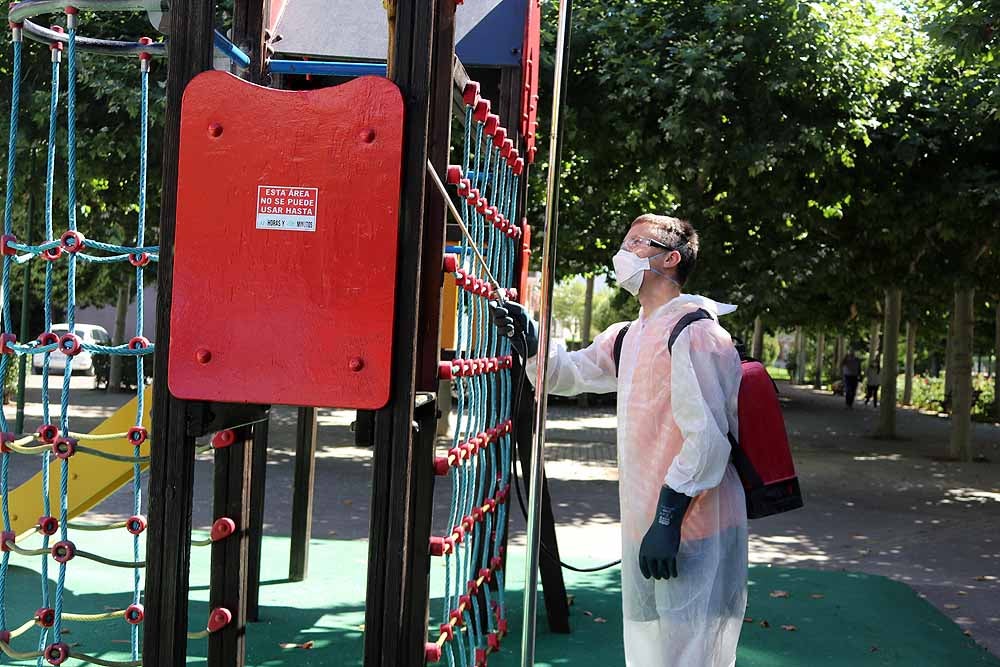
point(683, 511)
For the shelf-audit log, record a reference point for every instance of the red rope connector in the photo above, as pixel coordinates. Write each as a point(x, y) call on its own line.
point(70, 344)
point(48, 525)
point(482, 110)
point(441, 466)
point(138, 343)
point(481, 659)
point(45, 617)
point(72, 241)
point(137, 435)
point(500, 137)
point(512, 157)
point(496, 563)
point(136, 524)
point(5, 438)
point(491, 505)
point(52, 254)
point(501, 625)
point(506, 148)
point(492, 124)
point(464, 186)
point(468, 523)
point(222, 528)
point(531, 154)
point(224, 439)
point(135, 614)
point(481, 205)
point(457, 454)
point(473, 587)
point(143, 55)
point(450, 263)
point(5, 248)
point(5, 636)
point(63, 552)
point(5, 342)
point(47, 338)
point(48, 433)
point(473, 196)
point(456, 616)
point(486, 574)
point(446, 371)
point(64, 447)
point(493, 641)
point(519, 165)
point(5, 537)
point(219, 618)
point(471, 93)
point(458, 533)
point(437, 546)
point(432, 652)
point(57, 654)
point(454, 174)
point(138, 259)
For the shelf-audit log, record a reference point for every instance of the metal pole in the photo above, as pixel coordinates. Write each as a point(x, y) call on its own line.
point(545, 319)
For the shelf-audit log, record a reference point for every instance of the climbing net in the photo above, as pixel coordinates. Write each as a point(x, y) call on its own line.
point(473, 613)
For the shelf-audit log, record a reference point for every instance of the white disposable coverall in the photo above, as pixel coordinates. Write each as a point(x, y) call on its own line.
point(674, 413)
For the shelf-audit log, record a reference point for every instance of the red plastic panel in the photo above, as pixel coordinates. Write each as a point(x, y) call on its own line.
point(529, 89)
point(285, 250)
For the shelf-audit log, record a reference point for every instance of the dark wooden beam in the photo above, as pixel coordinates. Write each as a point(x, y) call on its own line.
point(171, 480)
point(249, 22)
point(258, 482)
point(402, 481)
point(231, 556)
point(302, 493)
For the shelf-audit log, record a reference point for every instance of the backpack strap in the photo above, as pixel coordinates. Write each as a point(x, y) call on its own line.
point(619, 342)
point(682, 324)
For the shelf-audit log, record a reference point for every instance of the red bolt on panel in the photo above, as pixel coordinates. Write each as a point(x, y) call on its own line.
point(283, 202)
point(223, 528)
point(224, 439)
point(219, 618)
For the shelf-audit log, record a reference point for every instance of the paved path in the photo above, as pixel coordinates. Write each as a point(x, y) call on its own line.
point(874, 506)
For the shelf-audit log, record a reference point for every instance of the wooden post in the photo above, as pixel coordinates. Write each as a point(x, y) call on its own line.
point(250, 19)
point(171, 479)
point(258, 478)
point(302, 494)
point(396, 608)
point(231, 556)
point(911, 346)
point(960, 375)
point(820, 349)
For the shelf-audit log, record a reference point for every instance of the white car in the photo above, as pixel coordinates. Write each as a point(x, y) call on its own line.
point(84, 362)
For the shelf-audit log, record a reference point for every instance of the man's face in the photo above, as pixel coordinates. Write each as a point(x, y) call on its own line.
point(641, 240)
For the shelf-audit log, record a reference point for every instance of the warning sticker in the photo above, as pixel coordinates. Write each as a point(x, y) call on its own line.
point(288, 208)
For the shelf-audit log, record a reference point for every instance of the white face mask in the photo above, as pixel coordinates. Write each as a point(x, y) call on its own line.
point(630, 270)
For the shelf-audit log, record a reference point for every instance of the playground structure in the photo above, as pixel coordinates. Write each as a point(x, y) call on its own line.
point(332, 323)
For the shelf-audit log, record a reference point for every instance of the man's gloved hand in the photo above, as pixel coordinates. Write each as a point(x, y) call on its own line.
point(513, 321)
point(658, 551)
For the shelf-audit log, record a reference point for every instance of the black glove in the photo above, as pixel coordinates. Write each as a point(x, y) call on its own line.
point(513, 321)
point(658, 551)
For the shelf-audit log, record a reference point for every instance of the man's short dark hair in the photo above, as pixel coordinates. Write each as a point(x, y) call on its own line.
point(677, 235)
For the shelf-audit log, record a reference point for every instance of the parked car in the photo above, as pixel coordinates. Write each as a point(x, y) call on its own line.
point(84, 362)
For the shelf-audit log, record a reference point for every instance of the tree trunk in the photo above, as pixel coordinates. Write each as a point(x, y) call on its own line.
point(840, 352)
point(800, 356)
point(949, 351)
point(588, 312)
point(911, 346)
point(890, 363)
point(820, 343)
point(757, 349)
point(874, 345)
point(996, 366)
point(960, 375)
point(121, 315)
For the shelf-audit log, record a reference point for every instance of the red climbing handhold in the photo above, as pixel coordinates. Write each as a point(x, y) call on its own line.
point(136, 524)
point(48, 525)
point(445, 371)
point(437, 546)
point(5, 248)
point(7, 537)
point(134, 614)
point(57, 654)
point(499, 138)
point(48, 433)
point(432, 652)
point(450, 263)
point(64, 447)
point(492, 125)
point(519, 165)
point(63, 552)
point(137, 435)
point(224, 438)
point(506, 148)
point(72, 241)
point(70, 344)
point(454, 174)
point(138, 259)
point(45, 617)
point(138, 343)
point(482, 110)
point(223, 528)
point(219, 618)
point(441, 466)
point(5, 343)
point(471, 93)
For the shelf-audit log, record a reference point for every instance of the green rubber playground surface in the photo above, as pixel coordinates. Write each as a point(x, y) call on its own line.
point(859, 620)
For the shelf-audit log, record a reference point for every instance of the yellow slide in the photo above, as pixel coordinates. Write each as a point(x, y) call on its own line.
point(92, 478)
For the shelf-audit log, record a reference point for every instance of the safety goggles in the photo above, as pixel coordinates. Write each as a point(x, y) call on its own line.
point(634, 243)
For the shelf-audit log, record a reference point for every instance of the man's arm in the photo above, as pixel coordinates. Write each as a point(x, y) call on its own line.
point(704, 383)
point(591, 369)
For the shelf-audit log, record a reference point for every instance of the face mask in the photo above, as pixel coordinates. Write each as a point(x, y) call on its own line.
point(630, 269)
